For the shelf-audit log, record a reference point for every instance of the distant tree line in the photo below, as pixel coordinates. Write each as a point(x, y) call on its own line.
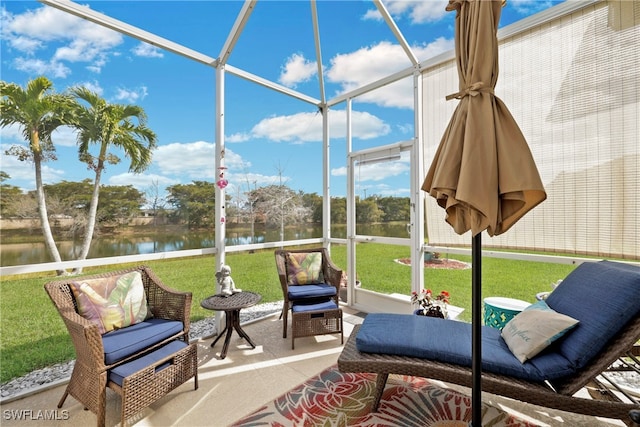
point(192, 205)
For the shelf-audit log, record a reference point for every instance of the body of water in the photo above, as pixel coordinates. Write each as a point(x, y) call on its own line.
point(33, 251)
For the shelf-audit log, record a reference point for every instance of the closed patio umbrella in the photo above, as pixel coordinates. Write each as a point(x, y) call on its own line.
point(483, 173)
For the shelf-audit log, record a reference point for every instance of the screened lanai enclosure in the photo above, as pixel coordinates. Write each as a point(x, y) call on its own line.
point(570, 76)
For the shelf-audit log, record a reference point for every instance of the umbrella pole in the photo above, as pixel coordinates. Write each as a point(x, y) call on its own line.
point(476, 325)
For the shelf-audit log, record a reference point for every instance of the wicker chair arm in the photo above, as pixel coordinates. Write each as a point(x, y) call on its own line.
point(333, 274)
point(165, 302)
point(86, 339)
point(282, 271)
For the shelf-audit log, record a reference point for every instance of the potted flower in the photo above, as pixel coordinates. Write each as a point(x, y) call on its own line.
point(430, 305)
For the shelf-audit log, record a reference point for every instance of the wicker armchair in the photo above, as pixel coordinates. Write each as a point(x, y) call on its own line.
point(328, 291)
point(91, 374)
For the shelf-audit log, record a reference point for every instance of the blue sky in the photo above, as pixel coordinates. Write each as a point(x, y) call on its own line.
point(269, 137)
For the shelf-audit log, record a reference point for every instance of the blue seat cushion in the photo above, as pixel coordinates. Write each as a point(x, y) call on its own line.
point(320, 306)
point(297, 292)
point(119, 373)
point(449, 341)
point(603, 296)
point(122, 343)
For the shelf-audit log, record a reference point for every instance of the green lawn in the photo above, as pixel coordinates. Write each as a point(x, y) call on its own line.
point(33, 336)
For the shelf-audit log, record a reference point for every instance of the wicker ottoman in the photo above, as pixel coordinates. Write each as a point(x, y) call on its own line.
point(146, 379)
point(316, 319)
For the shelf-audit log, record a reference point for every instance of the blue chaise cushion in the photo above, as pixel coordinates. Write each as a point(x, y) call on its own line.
point(119, 373)
point(603, 296)
point(122, 343)
point(449, 341)
point(318, 290)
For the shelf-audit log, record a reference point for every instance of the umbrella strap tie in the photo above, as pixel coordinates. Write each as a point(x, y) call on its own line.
point(472, 90)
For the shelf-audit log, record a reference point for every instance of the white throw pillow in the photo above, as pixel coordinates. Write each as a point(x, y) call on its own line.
point(532, 330)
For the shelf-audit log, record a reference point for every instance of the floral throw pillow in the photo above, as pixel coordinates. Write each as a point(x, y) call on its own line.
point(112, 302)
point(534, 329)
point(304, 268)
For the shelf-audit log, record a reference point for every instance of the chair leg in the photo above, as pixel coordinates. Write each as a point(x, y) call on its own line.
point(285, 312)
point(381, 381)
point(64, 397)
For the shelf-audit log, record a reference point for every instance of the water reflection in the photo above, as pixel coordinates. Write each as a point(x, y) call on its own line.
point(155, 242)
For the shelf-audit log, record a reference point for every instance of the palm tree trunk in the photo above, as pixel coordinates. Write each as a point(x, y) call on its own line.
point(44, 217)
point(91, 220)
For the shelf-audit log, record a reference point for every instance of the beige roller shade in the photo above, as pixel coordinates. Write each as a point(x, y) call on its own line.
point(573, 86)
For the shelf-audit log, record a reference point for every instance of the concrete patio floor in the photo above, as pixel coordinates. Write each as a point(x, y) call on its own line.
point(233, 387)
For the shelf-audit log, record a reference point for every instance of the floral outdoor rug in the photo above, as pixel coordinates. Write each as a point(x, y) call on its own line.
point(333, 398)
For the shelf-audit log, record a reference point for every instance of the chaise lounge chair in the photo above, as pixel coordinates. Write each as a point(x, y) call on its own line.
point(603, 296)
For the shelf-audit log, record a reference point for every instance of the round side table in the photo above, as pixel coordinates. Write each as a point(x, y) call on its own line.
point(231, 305)
point(499, 310)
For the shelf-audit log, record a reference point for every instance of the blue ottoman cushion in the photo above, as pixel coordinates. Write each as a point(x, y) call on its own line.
point(121, 343)
point(321, 306)
point(319, 290)
point(119, 373)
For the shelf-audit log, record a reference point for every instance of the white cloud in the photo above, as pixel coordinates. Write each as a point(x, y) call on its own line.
point(371, 63)
point(435, 48)
point(12, 133)
point(375, 172)
point(24, 172)
point(195, 160)
point(297, 69)
point(25, 44)
point(238, 137)
point(142, 181)
point(405, 128)
point(418, 11)
point(191, 159)
point(307, 127)
point(16, 169)
point(64, 136)
point(147, 51)
point(93, 86)
point(34, 29)
point(372, 15)
point(245, 181)
point(131, 95)
point(421, 11)
point(122, 94)
point(38, 66)
point(367, 64)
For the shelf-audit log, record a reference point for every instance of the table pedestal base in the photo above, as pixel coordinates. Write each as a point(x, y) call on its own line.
point(232, 321)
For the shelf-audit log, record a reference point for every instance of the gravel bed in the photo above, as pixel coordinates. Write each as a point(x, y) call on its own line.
point(55, 374)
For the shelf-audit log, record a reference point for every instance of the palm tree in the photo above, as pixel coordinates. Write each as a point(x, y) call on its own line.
point(109, 125)
point(38, 111)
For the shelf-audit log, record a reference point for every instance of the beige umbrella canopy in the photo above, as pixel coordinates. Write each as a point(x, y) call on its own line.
point(483, 173)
